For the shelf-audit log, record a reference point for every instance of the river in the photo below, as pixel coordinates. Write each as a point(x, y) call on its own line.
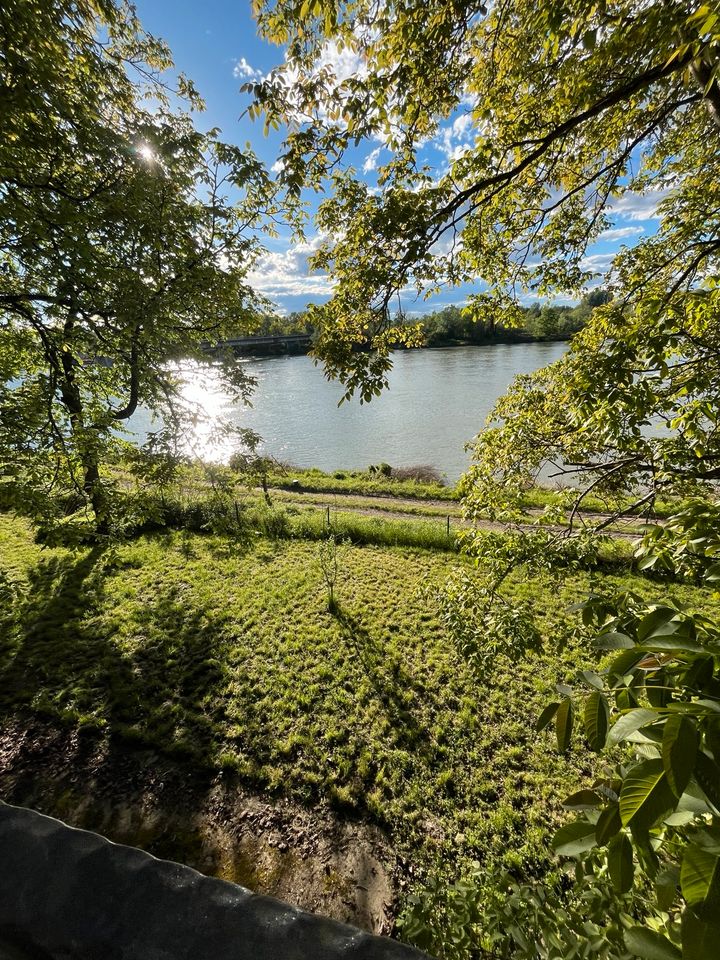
point(437, 401)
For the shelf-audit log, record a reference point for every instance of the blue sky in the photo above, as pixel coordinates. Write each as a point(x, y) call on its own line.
point(215, 43)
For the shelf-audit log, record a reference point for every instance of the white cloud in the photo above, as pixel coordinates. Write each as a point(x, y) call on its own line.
point(638, 206)
point(311, 244)
point(285, 273)
point(457, 138)
point(340, 64)
point(371, 160)
point(243, 69)
point(278, 167)
point(621, 233)
point(597, 262)
point(343, 63)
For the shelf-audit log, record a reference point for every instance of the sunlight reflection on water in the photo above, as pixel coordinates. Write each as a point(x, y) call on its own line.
point(437, 401)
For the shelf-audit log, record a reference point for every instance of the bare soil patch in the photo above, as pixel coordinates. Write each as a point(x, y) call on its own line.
point(309, 857)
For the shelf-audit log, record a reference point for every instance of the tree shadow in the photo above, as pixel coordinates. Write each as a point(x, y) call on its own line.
point(388, 678)
point(142, 694)
point(113, 736)
point(65, 660)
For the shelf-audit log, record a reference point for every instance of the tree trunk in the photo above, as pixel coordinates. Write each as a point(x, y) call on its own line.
point(72, 399)
point(95, 493)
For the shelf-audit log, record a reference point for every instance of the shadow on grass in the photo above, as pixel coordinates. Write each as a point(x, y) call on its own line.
point(122, 706)
point(389, 680)
point(165, 680)
point(64, 660)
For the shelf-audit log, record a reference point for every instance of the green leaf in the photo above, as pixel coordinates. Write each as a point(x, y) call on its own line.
point(592, 679)
point(574, 838)
point(625, 662)
point(694, 801)
point(700, 938)
point(700, 875)
point(671, 642)
point(666, 884)
point(546, 716)
point(660, 618)
point(620, 862)
point(614, 641)
point(625, 699)
point(595, 718)
point(712, 739)
point(583, 800)
point(707, 775)
point(650, 945)
point(679, 749)
point(630, 722)
point(644, 850)
point(656, 687)
point(564, 724)
point(645, 795)
point(608, 824)
point(712, 574)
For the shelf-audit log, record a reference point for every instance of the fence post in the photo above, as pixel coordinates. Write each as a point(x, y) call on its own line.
point(448, 526)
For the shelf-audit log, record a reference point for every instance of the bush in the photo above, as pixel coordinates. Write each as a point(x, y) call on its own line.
point(422, 473)
point(655, 817)
point(489, 914)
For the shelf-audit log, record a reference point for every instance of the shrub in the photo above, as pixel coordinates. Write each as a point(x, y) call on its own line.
point(654, 817)
point(422, 473)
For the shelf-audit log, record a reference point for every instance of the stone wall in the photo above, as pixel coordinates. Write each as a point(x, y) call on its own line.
point(68, 894)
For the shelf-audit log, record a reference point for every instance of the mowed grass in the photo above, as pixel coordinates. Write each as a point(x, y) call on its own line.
point(226, 656)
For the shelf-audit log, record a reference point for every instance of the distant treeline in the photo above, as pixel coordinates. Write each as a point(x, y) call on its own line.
point(546, 322)
point(451, 325)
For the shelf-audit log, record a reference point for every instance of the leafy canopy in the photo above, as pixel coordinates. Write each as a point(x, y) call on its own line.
point(125, 239)
point(571, 107)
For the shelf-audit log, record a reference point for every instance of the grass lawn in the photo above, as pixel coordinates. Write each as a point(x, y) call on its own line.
point(225, 655)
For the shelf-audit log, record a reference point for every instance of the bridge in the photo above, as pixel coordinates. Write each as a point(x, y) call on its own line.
point(284, 343)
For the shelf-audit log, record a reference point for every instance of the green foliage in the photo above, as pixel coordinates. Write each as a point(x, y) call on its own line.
point(482, 630)
point(197, 642)
point(566, 109)
point(382, 469)
point(656, 815)
point(358, 481)
point(499, 915)
point(330, 555)
point(121, 249)
point(12, 591)
point(193, 644)
point(686, 545)
point(586, 416)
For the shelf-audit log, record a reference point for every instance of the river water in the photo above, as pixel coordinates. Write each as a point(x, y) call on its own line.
point(437, 401)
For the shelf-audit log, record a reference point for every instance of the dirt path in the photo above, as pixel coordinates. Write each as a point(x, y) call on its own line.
point(402, 508)
point(306, 856)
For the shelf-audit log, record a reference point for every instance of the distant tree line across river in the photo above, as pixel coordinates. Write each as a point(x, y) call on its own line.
point(453, 325)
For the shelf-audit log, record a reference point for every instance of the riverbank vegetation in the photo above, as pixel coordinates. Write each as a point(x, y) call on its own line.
point(455, 325)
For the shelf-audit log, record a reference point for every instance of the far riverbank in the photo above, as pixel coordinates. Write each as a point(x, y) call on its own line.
point(301, 345)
